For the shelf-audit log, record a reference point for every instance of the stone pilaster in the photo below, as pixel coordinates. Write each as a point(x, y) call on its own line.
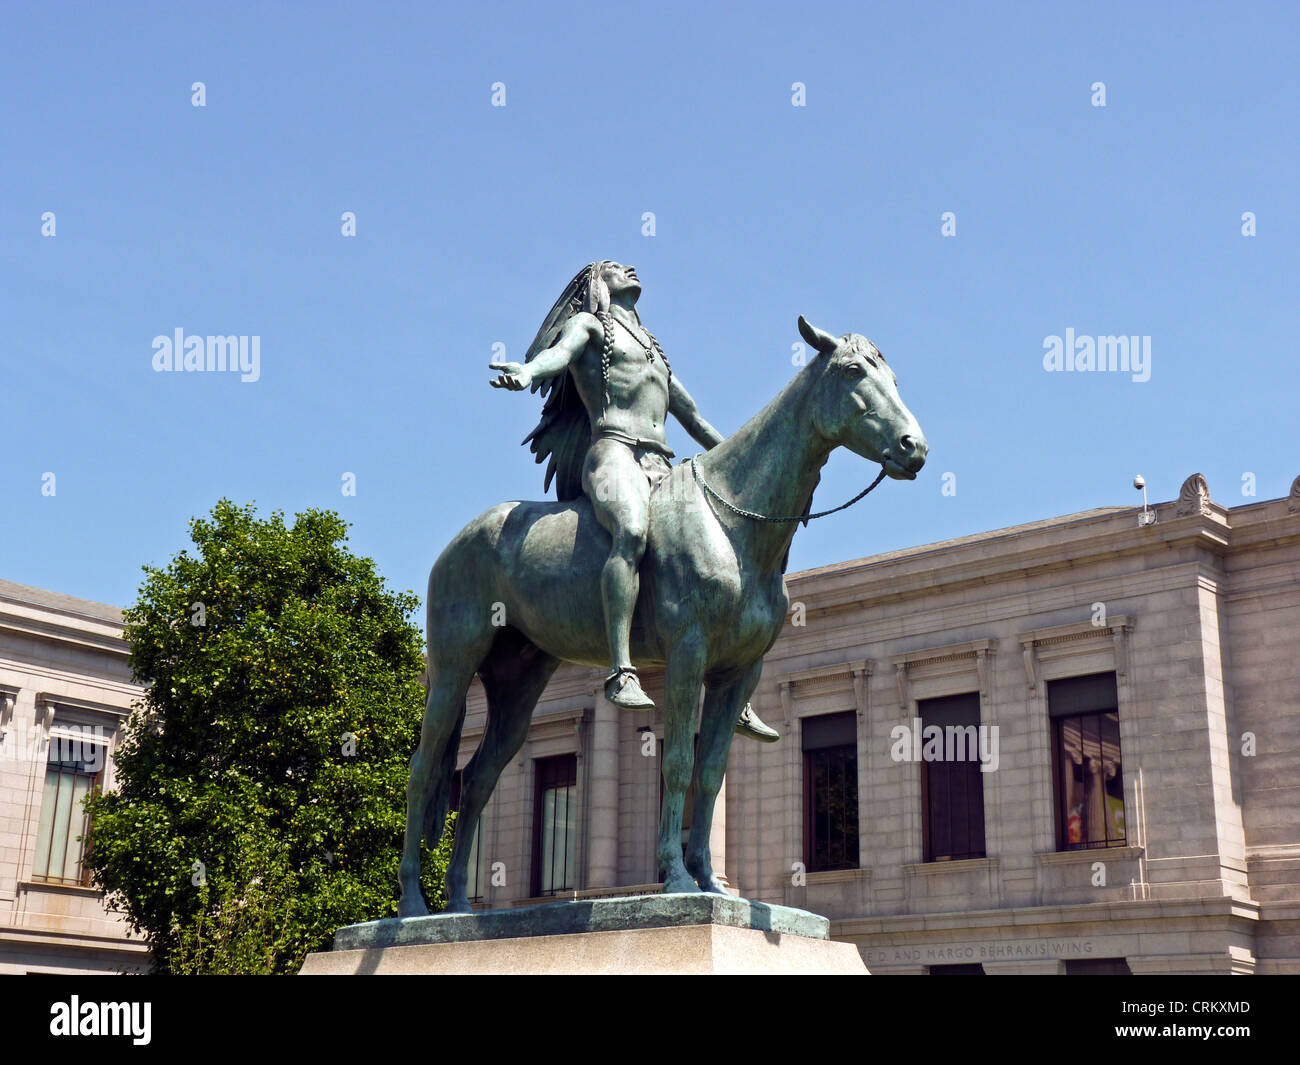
point(718, 835)
point(602, 824)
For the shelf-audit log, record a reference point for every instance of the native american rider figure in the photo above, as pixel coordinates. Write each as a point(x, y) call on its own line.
point(609, 390)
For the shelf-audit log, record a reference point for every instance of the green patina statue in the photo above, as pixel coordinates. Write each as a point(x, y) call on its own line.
point(609, 389)
point(637, 562)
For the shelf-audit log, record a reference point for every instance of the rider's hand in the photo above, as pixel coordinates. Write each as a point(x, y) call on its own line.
point(512, 376)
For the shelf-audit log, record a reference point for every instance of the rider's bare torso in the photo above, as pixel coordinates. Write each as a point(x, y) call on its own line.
point(638, 386)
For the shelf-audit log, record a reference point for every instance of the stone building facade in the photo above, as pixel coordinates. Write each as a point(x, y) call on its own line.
point(65, 691)
point(1065, 747)
point(1132, 686)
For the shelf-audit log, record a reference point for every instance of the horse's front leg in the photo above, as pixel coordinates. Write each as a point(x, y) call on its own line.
point(682, 682)
point(722, 705)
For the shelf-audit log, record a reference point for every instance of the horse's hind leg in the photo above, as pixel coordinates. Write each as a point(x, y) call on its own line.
point(431, 768)
point(514, 675)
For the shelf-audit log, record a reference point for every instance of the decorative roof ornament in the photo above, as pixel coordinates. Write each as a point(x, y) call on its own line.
point(1293, 497)
point(1193, 497)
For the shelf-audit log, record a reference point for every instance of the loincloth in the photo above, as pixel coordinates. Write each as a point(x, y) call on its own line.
point(652, 456)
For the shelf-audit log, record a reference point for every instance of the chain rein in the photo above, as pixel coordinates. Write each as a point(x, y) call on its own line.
point(753, 516)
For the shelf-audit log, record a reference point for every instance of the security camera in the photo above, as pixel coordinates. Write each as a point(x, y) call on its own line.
point(1148, 516)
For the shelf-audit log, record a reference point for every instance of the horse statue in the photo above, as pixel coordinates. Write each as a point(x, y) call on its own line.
point(712, 602)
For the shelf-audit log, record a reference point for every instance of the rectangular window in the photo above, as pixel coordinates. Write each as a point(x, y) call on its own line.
point(73, 770)
point(952, 786)
point(555, 824)
point(1087, 766)
point(475, 881)
point(830, 791)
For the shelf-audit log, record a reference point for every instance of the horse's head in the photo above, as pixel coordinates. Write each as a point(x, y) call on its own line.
point(856, 403)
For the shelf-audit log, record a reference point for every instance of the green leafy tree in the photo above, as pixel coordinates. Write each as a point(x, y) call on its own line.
point(261, 785)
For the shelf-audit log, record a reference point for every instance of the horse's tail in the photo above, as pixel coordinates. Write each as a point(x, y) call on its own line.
point(438, 806)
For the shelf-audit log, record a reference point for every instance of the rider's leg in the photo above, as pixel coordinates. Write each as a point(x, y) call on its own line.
point(620, 495)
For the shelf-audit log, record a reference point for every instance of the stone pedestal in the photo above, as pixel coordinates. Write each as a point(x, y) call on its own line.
point(647, 934)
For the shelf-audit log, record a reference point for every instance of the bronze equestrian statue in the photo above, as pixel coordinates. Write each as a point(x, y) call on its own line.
point(712, 535)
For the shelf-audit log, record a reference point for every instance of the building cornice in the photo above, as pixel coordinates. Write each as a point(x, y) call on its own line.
point(93, 633)
point(1024, 556)
point(1213, 531)
point(70, 940)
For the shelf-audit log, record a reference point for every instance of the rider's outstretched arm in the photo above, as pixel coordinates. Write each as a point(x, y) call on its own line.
point(577, 331)
point(682, 407)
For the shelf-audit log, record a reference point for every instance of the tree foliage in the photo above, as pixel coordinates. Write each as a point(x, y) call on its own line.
point(261, 785)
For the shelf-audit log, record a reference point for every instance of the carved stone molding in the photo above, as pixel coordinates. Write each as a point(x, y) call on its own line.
point(1031, 663)
point(837, 674)
point(71, 704)
point(560, 733)
point(7, 700)
point(1115, 629)
point(959, 655)
point(45, 705)
point(861, 689)
point(821, 679)
point(1119, 631)
point(982, 671)
point(1193, 497)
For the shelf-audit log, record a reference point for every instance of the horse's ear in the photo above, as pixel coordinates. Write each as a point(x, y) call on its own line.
point(818, 338)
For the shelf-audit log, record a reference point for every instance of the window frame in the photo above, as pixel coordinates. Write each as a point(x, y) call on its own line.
point(60, 734)
point(541, 785)
point(968, 766)
point(1060, 811)
point(848, 751)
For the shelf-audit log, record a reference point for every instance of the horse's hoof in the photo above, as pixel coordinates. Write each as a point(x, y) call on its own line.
point(707, 882)
point(458, 906)
point(412, 907)
point(678, 883)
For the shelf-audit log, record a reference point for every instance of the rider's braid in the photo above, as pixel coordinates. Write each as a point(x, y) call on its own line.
point(607, 324)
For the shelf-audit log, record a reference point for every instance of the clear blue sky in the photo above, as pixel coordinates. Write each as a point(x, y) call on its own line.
point(374, 349)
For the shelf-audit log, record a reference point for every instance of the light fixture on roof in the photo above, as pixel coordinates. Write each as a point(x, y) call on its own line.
point(1148, 516)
